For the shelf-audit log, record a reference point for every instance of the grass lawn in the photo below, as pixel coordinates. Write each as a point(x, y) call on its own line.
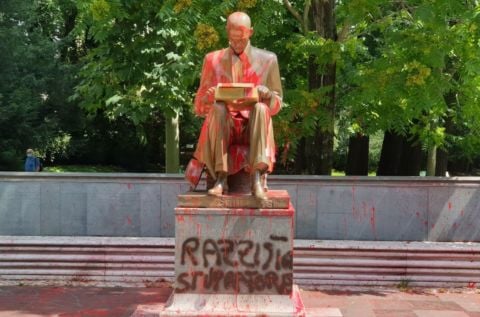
point(116, 169)
point(342, 173)
point(84, 169)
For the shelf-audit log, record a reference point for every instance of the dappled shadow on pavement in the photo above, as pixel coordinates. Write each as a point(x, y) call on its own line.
point(384, 302)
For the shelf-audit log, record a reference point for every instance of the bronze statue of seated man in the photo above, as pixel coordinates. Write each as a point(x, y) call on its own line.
point(231, 124)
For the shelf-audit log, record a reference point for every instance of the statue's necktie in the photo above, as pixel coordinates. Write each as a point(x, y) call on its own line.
point(244, 66)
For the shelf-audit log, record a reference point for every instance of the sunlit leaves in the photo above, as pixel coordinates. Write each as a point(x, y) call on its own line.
point(418, 51)
point(113, 100)
point(140, 48)
point(396, 62)
point(416, 73)
point(244, 5)
point(182, 5)
point(206, 36)
point(100, 10)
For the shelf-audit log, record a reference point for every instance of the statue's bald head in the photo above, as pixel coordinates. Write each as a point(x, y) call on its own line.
point(239, 19)
point(239, 31)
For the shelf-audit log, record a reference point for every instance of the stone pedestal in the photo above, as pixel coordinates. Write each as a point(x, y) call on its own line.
point(233, 261)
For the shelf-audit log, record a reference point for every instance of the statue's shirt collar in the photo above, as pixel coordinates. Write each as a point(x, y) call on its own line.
point(246, 51)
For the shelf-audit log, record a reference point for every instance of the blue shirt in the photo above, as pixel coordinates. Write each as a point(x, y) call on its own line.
point(31, 164)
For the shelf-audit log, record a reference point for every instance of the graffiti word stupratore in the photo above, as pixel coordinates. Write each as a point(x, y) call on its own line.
point(232, 265)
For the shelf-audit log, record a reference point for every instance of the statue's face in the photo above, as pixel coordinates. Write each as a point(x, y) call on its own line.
point(238, 38)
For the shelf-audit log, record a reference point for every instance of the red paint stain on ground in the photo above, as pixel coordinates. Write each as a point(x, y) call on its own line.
point(89, 312)
point(78, 301)
point(129, 186)
point(129, 220)
point(450, 206)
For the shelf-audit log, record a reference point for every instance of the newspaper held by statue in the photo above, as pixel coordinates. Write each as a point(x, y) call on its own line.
point(237, 96)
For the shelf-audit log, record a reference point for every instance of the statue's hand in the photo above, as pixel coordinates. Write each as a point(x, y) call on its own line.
point(206, 101)
point(264, 92)
point(210, 94)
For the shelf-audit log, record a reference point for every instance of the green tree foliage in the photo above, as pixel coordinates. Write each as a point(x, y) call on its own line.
point(140, 67)
point(34, 84)
point(418, 69)
point(139, 62)
point(410, 68)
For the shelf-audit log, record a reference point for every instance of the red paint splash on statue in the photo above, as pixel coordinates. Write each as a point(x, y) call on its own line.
point(213, 68)
point(239, 63)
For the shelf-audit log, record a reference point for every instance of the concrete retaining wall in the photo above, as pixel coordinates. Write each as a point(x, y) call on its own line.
point(336, 208)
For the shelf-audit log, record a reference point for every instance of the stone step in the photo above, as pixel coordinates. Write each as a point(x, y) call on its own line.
point(34, 260)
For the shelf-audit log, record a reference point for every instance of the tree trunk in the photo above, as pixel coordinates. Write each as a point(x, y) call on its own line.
point(357, 158)
point(324, 24)
point(318, 149)
point(442, 162)
point(411, 159)
point(431, 160)
point(442, 154)
point(300, 159)
point(172, 141)
point(390, 156)
point(312, 147)
point(68, 46)
point(312, 153)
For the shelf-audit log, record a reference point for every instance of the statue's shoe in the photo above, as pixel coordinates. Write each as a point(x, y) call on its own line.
point(258, 192)
point(218, 190)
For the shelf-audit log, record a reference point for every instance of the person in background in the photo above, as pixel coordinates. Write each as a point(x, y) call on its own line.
point(32, 163)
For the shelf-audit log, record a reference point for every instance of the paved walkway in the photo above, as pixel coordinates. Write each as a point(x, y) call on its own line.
point(118, 302)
